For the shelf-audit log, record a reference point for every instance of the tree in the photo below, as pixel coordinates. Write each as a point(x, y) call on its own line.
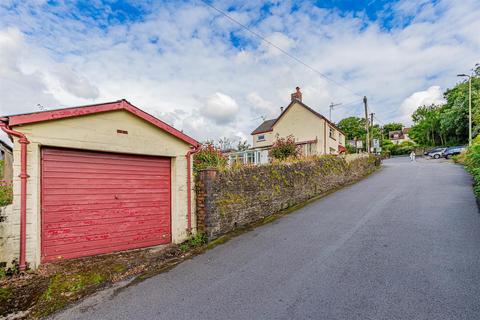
point(353, 127)
point(447, 124)
point(242, 145)
point(392, 126)
point(375, 132)
point(225, 144)
point(426, 129)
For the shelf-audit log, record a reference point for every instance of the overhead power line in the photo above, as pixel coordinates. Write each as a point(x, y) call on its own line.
point(380, 121)
point(357, 102)
point(258, 35)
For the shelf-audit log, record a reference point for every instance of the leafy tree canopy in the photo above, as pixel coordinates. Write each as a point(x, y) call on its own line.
point(243, 145)
point(353, 127)
point(392, 126)
point(447, 124)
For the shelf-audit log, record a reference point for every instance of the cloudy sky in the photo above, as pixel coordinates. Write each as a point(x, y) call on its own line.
point(189, 65)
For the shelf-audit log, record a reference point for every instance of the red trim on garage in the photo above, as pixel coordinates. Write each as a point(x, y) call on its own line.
point(98, 108)
point(95, 202)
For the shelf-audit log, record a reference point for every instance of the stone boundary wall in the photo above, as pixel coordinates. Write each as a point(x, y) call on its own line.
point(234, 198)
point(8, 241)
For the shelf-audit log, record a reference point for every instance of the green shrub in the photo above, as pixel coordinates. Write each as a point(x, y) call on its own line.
point(387, 145)
point(6, 193)
point(472, 158)
point(385, 154)
point(403, 148)
point(350, 149)
point(284, 148)
point(209, 157)
point(472, 164)
point(459, 158)
point(194, 241)
point(476, 140)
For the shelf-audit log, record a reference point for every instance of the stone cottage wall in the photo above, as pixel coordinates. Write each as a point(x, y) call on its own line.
point(234, 198)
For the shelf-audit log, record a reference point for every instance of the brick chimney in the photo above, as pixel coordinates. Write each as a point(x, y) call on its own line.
point(297, 95)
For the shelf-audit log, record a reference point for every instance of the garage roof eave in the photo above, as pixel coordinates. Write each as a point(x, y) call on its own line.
point(123, 104)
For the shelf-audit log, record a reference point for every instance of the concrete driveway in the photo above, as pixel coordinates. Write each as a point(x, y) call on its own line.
point(401, 244)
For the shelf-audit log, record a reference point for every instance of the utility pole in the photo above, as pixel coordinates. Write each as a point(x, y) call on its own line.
point(367, 140)
point(333, 105)
point(469, 106)
point(381, 136)
point(371, 125)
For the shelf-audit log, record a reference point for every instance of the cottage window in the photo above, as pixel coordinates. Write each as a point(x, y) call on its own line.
point(332, 133)
point(261, 137)
point(250, 158)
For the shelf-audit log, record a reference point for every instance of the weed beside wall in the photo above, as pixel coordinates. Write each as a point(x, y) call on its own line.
point(6, 192)
point(234, 198)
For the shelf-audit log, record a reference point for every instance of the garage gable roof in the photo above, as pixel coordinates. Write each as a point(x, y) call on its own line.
point(97, 108)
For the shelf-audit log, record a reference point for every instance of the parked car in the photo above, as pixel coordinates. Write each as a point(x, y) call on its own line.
point(430, 150)
point(436, 153)
point(451, 151)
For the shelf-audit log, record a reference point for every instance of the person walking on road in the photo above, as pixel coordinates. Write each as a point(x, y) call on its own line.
point(412, 156)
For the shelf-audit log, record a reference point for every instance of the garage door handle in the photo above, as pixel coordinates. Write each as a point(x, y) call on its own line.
point(116, 197)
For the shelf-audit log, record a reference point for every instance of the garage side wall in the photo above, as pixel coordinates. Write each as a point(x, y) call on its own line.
point(96, 132)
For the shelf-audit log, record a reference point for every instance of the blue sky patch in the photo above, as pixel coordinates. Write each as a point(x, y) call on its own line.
point(370, 7)
point(110, 12)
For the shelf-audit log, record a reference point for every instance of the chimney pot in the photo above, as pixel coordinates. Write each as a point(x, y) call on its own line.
point(297, 95)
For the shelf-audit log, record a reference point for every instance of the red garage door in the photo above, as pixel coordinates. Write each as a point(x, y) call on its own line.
point(95, 202)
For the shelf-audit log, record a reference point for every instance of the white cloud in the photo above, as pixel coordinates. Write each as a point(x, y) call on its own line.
point(20, 90)
point(75, 84)
point(220, 108)
point(433, 95)
point(280, 40)
point(178, 62)
point(260, 106)
point(29, 77)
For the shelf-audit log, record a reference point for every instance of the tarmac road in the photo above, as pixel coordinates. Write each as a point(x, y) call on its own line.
point(402, 244)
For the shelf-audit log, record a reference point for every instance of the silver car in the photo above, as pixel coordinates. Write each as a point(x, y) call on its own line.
point(436, 153)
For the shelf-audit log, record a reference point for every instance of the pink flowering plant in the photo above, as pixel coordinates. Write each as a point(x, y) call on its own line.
point(209, 157)
point(284, 148)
